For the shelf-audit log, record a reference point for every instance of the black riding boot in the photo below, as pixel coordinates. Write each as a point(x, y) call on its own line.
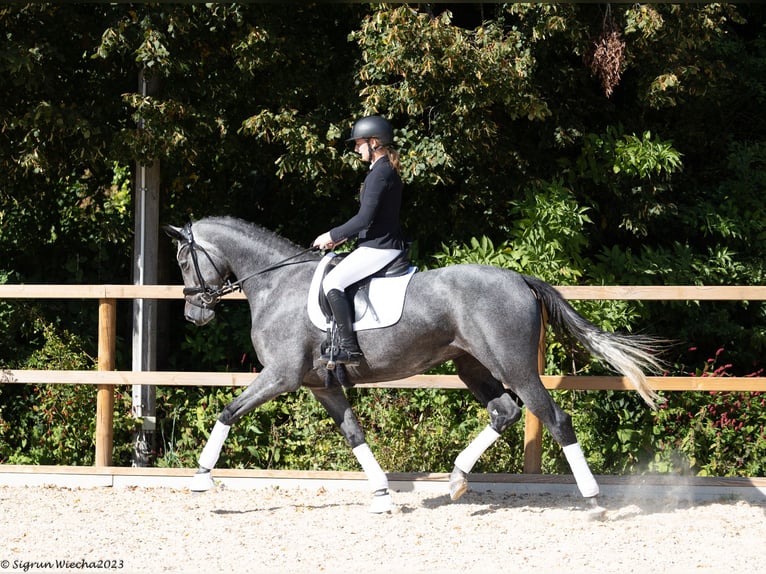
point(349, 354)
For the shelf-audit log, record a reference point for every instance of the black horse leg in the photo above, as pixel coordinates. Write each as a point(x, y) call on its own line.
point(266, 387)
point(503, 412)
point(337, 406)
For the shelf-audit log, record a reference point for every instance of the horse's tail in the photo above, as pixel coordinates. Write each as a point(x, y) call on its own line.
point(629, 355)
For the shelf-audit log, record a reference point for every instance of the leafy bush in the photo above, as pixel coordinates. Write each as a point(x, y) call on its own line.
point(698, 433)
point(711, 433)
point(702, 433)
point(419, 430)
point(56, 424)
point(423, 430)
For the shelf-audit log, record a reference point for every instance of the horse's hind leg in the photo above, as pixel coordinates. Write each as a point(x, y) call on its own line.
point(540, 403)
point(337, 406)
point(503, 412)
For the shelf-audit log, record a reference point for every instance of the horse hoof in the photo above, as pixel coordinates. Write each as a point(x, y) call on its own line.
point(201, 482)
point(595, 510)
point(458, 483)
point(382, 503)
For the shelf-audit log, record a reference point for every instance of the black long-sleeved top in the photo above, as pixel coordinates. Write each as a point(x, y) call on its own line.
point(376, 224)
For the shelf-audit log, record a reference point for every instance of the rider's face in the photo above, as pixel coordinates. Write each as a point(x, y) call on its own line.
point(361, 147)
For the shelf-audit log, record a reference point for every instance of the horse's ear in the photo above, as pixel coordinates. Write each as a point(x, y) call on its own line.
point(174, 232)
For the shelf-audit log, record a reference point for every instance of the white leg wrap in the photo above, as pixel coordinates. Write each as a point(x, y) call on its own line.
point(212, 449)
point(375, 475)
point(201, 482)
point(466, 459)
point(583, 476)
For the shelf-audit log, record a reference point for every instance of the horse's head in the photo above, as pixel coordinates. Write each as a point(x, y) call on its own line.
point(204, 277)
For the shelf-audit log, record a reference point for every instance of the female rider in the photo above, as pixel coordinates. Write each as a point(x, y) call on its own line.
point(376, 227)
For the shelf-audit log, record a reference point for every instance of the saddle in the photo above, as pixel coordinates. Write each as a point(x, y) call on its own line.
point(377, 299)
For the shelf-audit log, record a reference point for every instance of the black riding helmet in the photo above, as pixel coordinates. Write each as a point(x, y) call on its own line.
point(373, 127)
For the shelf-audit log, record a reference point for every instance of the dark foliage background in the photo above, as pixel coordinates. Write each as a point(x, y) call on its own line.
point(584, 143)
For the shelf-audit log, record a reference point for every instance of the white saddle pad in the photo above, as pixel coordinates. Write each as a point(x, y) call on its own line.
point(386, 298)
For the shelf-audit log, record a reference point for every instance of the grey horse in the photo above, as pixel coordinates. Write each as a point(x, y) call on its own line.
point(485, 319)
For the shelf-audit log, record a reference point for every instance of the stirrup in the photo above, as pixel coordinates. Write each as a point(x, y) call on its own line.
point(341, 357)
point(349, 358)
point(327, 354)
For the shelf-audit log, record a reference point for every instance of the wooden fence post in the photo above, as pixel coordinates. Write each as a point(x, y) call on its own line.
point(533, 428)
point(107, 344)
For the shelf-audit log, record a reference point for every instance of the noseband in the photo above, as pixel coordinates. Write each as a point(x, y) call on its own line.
point(209, 296)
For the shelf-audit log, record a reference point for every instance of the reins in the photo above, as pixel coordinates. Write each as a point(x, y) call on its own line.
point(209, 295)
point(237, 285)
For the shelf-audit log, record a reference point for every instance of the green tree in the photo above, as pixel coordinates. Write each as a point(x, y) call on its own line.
point(589, 143)
point(227, 73)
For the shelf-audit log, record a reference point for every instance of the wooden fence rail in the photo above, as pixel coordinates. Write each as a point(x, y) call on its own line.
point(106, 378)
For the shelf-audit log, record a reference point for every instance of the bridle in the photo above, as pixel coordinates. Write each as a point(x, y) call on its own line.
point(209, 296)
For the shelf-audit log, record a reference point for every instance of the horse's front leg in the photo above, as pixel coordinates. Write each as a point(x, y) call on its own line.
point(269, 384)
point(337, 406)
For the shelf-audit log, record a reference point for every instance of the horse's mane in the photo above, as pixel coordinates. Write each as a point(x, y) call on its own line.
point(251, 230)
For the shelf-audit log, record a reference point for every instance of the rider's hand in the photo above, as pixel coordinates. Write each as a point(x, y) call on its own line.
point(324, 241)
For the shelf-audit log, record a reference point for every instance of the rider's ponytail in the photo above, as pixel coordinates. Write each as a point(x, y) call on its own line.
point(393, 158)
